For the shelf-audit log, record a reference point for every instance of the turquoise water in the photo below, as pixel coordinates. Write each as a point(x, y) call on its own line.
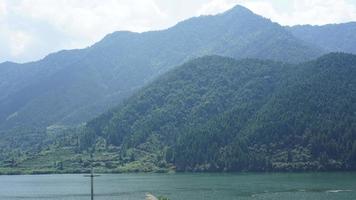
point(313, 186)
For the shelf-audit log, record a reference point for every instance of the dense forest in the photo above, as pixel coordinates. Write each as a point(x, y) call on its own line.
point(219, 114)
point(213, 114)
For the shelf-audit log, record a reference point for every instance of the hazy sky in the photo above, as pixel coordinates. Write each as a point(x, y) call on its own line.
point(30, 29)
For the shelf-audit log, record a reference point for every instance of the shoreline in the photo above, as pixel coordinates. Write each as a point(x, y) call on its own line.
point(176, 172)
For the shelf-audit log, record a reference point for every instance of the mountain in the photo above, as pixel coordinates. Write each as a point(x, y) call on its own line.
point(220, 114)
point(331, 37)
point(70, 87)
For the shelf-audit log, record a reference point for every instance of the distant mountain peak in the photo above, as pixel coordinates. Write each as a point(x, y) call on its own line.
point(239, 9)
point(119, 34)
point(240, 12)
point(8, 63)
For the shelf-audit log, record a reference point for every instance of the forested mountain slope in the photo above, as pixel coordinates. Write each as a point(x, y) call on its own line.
point(73, 86)
point(216, 113)
point(330, 37)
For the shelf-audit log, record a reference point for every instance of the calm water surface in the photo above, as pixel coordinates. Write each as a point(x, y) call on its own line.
point(313, 186)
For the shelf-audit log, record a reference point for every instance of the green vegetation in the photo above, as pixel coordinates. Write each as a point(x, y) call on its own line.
point(214, 114)
point(218, 114)
point(162, 198)
point(61, 154)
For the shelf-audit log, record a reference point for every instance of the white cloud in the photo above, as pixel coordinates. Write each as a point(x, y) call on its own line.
point(3, 10)
point(93, 18)
point(217, 6)
point(13, 42)
point(18, 42)
point(45, 26)
point(315, 12)
point(30, 29)
point(319, 12)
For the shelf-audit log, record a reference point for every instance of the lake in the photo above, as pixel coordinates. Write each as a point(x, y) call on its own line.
point(204, 186)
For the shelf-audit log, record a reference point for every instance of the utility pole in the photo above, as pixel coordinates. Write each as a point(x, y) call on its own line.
point(92, 183)
point(91, 177)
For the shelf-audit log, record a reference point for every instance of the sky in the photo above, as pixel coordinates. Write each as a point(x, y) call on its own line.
point(31, 29)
